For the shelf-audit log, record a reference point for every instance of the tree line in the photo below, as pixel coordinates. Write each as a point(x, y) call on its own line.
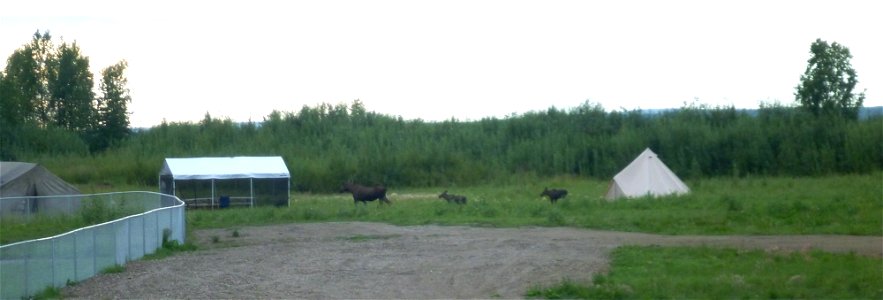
point(48, 89)
point(326, 145)
point(49, 114)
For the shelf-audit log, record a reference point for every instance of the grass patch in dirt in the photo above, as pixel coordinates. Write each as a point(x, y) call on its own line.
point(640, 272)
point(169, 247)
point(113, 269)
point(362, 238)
point(50, 292)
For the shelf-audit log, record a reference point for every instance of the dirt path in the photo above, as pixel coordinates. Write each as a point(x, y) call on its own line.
point(371, 260)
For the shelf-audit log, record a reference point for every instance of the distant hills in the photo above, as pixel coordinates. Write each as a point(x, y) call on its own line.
point(870, 112)
point(863, 114)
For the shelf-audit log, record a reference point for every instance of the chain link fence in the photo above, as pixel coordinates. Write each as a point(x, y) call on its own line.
point(29, 267)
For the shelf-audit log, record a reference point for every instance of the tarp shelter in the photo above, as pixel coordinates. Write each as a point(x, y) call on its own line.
point(25, 181)
point(225, 181)
point(646, 175)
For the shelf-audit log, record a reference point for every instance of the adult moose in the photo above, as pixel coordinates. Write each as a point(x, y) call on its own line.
point(365, 193)
point(554, 194)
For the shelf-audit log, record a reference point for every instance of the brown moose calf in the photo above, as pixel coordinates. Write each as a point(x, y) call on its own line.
point(452, 198)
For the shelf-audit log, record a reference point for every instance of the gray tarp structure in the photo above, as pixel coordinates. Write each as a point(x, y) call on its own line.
point(29, 185)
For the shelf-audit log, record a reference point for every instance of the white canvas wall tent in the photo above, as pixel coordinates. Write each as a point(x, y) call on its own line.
point(646, 175)
point(27, 188)
point(226, 181)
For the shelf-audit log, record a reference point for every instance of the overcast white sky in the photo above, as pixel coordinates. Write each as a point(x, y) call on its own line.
point(435, 60)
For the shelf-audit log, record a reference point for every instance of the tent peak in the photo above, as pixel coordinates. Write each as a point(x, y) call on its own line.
point(645, 175)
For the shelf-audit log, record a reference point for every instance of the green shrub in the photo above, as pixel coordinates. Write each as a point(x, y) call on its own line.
point(555, 218)
point(170, 246)
point(96, 211)
point(113, 269)
point(50, 292)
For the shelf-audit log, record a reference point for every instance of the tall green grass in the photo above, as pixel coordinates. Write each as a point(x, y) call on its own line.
point(15, 229)
point(707, 273)
point(91, 211)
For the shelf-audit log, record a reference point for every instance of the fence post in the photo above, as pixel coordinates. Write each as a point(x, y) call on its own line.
point(116, 254)
point(53, 261)
point(171, 217)
point(182, 224)
point(143, 235)
point(28, 269)
point(157, 231)
point(76, 258)
point(129, 239)
point(94, 252)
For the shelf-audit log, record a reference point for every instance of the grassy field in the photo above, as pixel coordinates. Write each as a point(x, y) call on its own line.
point(846, 204)
point(829, 205)
point(849, 204)
point(707, 273)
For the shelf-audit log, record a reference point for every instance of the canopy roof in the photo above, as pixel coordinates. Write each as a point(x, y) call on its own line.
point(225, 167)
point(646, 175)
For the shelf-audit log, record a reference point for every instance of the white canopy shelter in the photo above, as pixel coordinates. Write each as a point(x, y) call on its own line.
point(646, 175)
point(226, 175)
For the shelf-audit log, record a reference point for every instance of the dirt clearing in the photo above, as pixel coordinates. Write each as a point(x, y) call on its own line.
point(380, 261)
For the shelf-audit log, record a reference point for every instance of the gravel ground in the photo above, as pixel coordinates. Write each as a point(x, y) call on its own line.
point(379, 261)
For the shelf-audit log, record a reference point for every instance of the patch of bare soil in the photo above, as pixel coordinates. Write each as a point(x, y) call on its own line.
point(380, 261)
